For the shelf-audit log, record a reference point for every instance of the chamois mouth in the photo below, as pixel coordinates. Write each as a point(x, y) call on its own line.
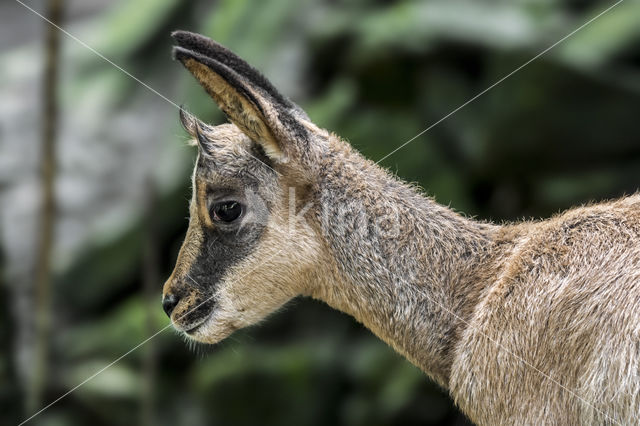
point(193, 320)
point(193, 328)
point(211, 329)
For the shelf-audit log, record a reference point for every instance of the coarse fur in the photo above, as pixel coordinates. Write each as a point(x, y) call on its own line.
point(528, 323)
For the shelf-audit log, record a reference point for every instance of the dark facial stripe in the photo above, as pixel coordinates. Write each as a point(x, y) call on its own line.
point(222, 247)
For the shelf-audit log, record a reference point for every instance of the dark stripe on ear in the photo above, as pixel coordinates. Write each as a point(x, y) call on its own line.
point(207, 47)
point(250, 107)
point(230, 76)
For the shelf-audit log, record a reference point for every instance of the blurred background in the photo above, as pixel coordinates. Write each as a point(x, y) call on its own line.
point(94, 185)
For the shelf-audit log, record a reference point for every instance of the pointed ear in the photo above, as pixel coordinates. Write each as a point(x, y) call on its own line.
point(244, 95)
point(194, 127)
point(188, 121)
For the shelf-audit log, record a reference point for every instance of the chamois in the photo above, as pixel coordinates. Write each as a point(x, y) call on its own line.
point(523, 323)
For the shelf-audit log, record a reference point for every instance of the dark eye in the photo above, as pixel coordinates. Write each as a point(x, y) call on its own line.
point(226, 211)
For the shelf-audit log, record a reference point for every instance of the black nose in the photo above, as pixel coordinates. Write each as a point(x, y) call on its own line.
point(169, 302)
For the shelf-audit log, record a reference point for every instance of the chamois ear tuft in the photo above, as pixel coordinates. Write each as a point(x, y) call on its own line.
point(244, 95)
point(194, 127)
point(188, 122)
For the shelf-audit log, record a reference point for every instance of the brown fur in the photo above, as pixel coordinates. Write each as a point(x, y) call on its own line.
point(525, 323)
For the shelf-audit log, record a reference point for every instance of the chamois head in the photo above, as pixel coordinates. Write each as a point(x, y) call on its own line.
point(246, 252)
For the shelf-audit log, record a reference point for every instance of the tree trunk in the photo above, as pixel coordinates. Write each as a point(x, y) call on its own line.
point(42, 288)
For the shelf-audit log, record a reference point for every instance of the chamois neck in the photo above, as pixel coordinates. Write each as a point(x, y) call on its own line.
point(408, 268)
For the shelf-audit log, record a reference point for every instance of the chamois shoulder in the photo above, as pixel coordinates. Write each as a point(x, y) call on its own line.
point(584, 246)
point(597, 238)
point(594, 225)
point(561, 305)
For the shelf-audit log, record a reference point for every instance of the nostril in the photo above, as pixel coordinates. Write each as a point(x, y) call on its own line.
point(169, 302)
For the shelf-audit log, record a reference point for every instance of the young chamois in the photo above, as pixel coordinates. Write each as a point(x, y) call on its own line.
point(528, 323)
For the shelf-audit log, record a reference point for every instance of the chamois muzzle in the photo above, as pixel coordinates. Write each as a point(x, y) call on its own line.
point(169, 302)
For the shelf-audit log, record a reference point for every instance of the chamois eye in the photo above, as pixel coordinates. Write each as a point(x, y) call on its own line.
point(226, 211)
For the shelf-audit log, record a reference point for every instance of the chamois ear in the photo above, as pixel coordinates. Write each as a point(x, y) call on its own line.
point(244, 95)
point(188, 121)
point(194, 127)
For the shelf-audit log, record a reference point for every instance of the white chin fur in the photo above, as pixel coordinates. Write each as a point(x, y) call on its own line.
point(212, 330)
